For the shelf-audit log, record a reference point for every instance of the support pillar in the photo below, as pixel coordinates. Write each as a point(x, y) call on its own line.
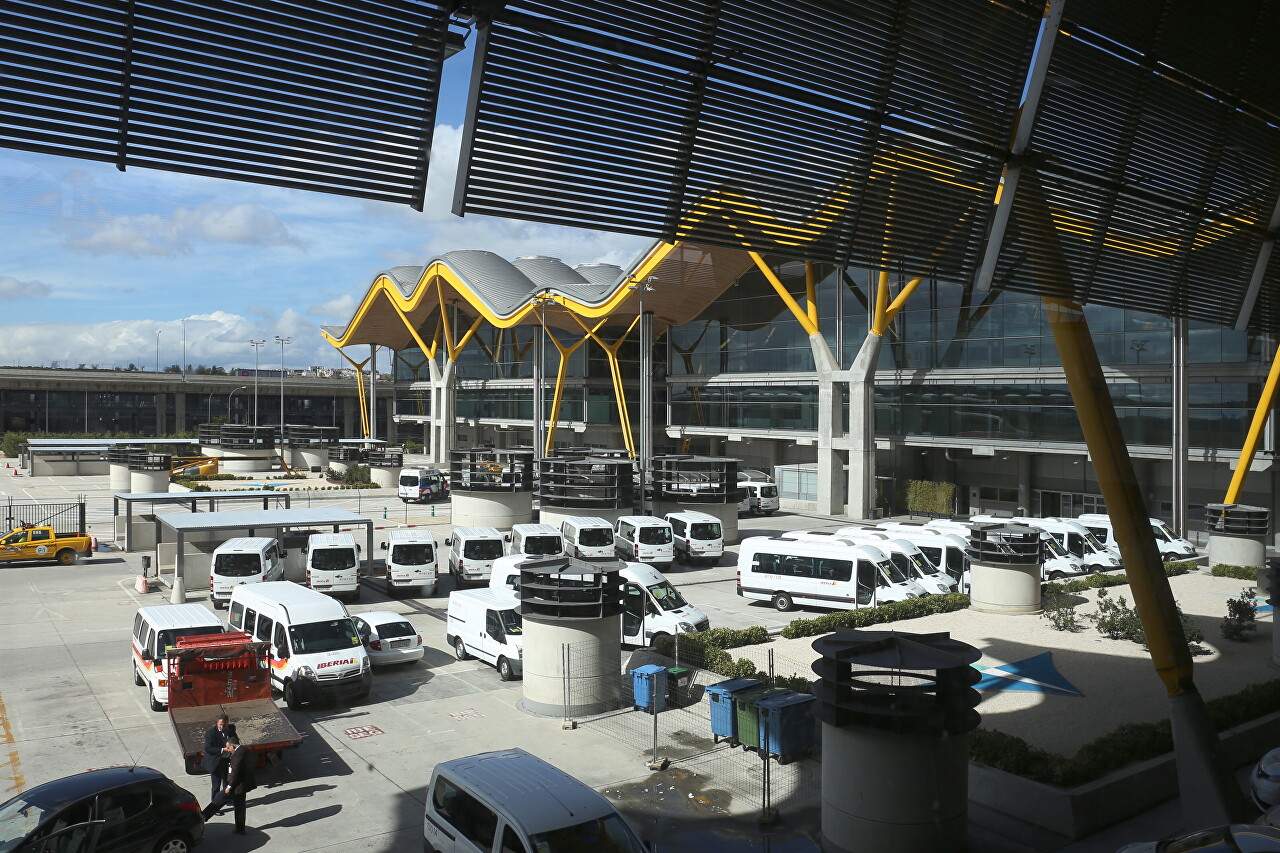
point(162, 406)
point(1181, 428)
point(862, 427)
point(1024, 482)
point(831, 488)
point(180, 411)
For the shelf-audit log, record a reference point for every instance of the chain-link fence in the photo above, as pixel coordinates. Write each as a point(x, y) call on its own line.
point(660, 707)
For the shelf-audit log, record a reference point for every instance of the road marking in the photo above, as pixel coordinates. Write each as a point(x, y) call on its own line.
point(469, 714)
point(10, 767)
point(362, 731)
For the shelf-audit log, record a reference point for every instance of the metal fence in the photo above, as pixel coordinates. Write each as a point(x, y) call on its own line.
point(680, 733)
point(62, 517)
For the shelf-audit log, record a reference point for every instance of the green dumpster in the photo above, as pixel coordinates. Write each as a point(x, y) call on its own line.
point(744, 705)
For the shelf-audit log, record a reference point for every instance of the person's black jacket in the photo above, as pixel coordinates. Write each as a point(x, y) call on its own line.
point(242, 775)
point(213, 759)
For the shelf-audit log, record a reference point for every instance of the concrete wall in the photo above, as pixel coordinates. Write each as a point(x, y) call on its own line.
point(46, 466)
point(491, 509)
point(593, 666)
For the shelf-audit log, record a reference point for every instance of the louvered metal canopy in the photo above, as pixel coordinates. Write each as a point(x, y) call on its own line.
point(326, 95)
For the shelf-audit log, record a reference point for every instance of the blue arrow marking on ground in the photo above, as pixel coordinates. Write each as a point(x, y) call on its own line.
point(1262, 608)
point(1034, 673)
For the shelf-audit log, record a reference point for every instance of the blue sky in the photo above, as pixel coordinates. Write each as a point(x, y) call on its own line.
point(95, 261)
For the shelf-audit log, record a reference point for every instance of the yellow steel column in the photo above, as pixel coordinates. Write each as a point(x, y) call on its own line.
point(810, 326)
point(811, 292)
point(611, 354)
point(561, 373)
point(1255, 432)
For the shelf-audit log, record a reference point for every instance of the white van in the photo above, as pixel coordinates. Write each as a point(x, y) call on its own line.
point(1172, 547)
point(1071, 535)
point(652, 607)
point(155, 631)
point(333, 564)
point(943, 549)
point(513, 802)
point(696, 537)
point(909, 559)
point(485, 624)
point(472, 551)
point(243, 559)
point(758, 498)
point(534, 540)
point(1058, 564)
point(316, 651)
point(835, 575)
point(587, 537)
point(411, 561)
point(421, 485)
point(902, 580)
point(645, 539)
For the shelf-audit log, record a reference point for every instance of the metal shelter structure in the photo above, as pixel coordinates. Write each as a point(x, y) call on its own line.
point(191, 500)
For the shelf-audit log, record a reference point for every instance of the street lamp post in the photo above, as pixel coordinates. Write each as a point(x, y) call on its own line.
point(158, 331)
point(229, 396)
point(282, 342)
point(257, 347)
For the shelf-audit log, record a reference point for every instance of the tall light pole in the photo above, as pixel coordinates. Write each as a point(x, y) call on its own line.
point(229, 396)
point(645, 445)
point(257, 347)
point(158, 331)
point(282, 342)
point(184, 349)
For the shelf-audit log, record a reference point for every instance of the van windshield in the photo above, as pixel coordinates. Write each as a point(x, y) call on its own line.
point(893, 571)
point(655, 535)
point(1163, 533)
point(333, 559)
point(667, 596)
point(167, 639)
point(482, 549)
point(538, 546)
point(704, 532)
point(596, 537)
point(237, 565)
point(511, 622)
point(412, 555)
point(923, 567)
point(316, 637)
point(1053, 547)
point(603, 835)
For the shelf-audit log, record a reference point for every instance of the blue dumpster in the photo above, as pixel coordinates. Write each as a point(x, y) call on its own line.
point(649, 688)
point(724, 722)
point(786, 725)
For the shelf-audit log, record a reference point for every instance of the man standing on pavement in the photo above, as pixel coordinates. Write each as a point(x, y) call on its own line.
point(213, 761)
point(241, 779)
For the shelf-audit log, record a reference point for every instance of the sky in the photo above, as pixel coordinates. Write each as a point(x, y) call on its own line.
point(94, 261)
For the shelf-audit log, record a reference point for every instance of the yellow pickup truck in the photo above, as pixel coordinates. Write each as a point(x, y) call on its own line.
point(33, 542)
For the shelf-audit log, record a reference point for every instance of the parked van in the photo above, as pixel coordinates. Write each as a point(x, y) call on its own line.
point(514, 802)
point(333, 564)
point(1071, 535)
point(696, 537)
point(534, 540)
point(243, 559)
point(652, 607)
point(411, 561)
point(316, 651)
point(422, 485)
point(943, 549)
point(909, 559)
point(155, 631)
point(645, 539)
point(1172, 547)
point(587, 537)
point(1058, 563)
point(903, 575)
point(835, 574)
point(485, 624)
point(758, 498)
point(472, 551)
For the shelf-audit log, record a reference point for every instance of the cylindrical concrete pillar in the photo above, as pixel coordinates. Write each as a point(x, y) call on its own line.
point(384, 477)
point(243, 462)
point(491, 509)
point(589, 685)
point(556, 515)
point(883, 791)
point(1005, 565)
point(148, 482)
point(120, 479)
point(1236, 550)
point(304, 459)
point(339, 467)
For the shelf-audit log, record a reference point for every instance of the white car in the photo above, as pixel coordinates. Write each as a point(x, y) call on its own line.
point(389, 638)
point(1236, 838)
point(1264, 782)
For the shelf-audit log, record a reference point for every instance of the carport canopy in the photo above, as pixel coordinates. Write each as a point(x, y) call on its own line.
point(188, 499)
point(260, 521)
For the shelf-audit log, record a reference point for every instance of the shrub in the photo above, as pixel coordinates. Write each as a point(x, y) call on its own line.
point(1241, 617)
point(1116, 620)
point(926, 497)
point(1102, 581)
point(894, 611)
point(1244, 573)
point(1061, 613)
point(411, 446)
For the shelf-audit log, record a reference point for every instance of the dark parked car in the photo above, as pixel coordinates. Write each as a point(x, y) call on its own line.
point(114, 810)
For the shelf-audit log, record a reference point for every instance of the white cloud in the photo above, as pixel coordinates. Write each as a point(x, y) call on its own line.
point(337, 310)
point(183, 230)
point(11, 288)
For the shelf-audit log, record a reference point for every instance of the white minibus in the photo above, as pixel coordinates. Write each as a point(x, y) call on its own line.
point(834, 575)
point(243, 559)
point(1071, 535)
point(534, 540)
point(906, 556)
point(155, 631)
point(587, 537)
point(486, 624)
point(758, 498)
point(333, 564)
point(411, 561)
point(421, 485)
point(697, 537)
point(316, 651)
point(1172, 547)
point(472, 551)
point(644, 539)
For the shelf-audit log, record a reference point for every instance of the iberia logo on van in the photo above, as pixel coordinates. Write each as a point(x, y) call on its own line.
point(330, 663)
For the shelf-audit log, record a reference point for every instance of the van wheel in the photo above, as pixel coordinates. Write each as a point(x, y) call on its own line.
point(1056, 576)
point(355, 596)
point(782, 602)
point(404, 500)
point(155, 706)
point(66, 557)
point(291, 697)
point(657, 638)
point(137, 677)
point(460, 650)
point(504, 670)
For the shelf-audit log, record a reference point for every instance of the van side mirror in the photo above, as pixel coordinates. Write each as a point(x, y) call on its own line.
point(359, 549)
point(448, 543)
point(382, 546)
point(506, 537)
point(146, 654)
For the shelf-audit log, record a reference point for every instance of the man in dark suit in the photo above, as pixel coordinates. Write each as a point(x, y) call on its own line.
point(213, 761)
point(241, 779)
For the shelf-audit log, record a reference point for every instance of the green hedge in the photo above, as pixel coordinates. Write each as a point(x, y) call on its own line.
point(706, 649)
point(927, 497)
point(1101, 580)
point(912, 608)
point(1128, 744)
point(1244, 573)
